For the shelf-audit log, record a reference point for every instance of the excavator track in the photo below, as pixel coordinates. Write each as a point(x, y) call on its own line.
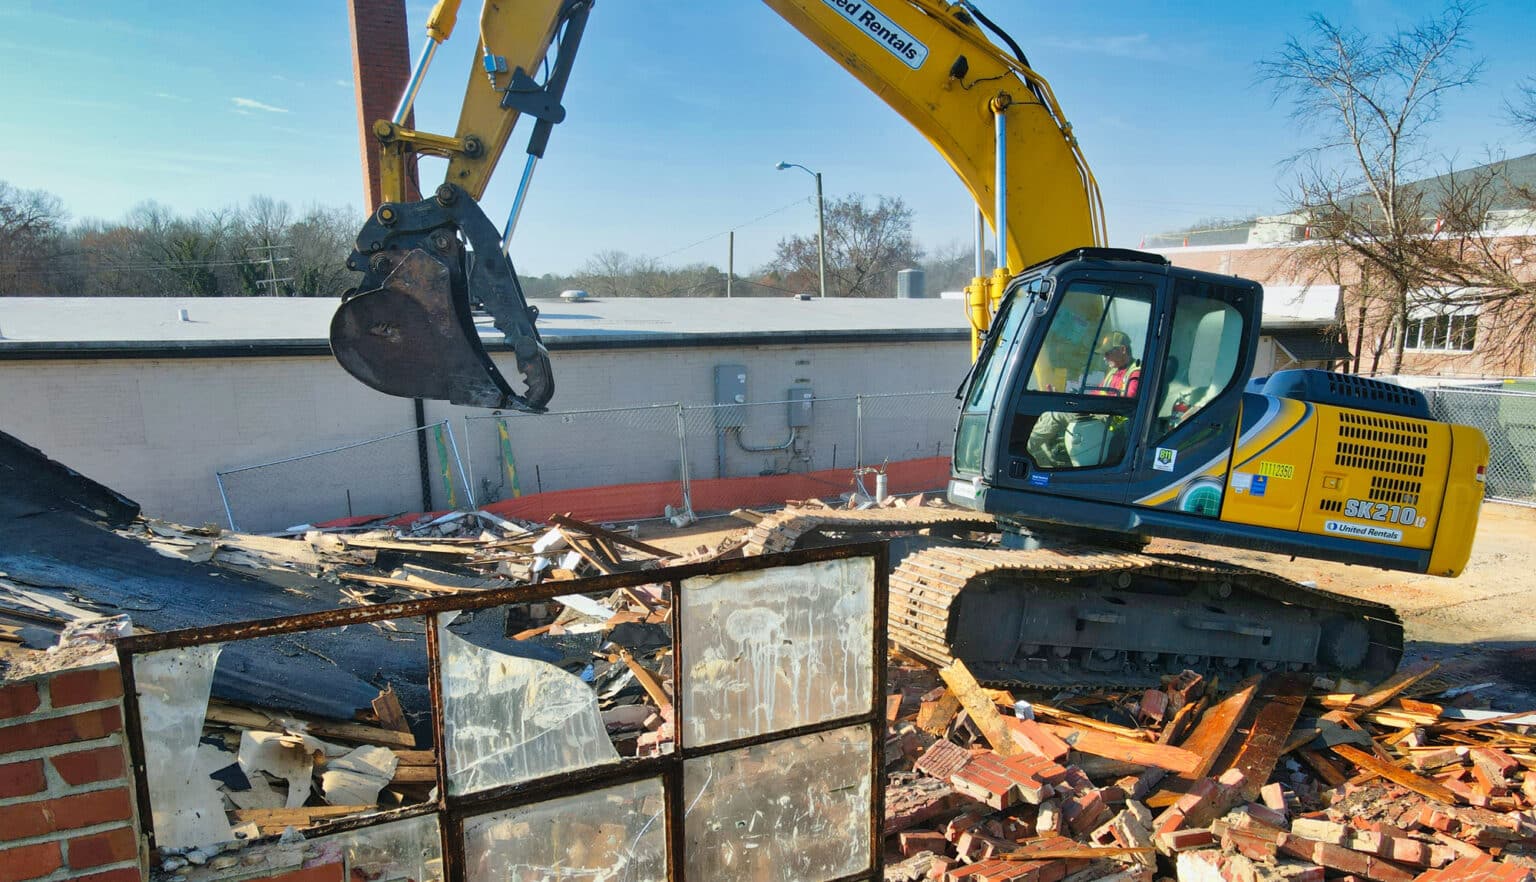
point(1070, 614)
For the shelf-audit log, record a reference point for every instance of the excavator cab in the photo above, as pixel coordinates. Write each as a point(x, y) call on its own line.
point(1107, 373)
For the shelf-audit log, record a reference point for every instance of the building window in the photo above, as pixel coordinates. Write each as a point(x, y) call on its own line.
point(1442, 333)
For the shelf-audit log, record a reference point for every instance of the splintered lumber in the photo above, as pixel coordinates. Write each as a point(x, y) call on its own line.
point(978, 704)
point(1279, 707)
point(461, 547)
point(1391, 688)
point(245, 718)
point(387, 708)
point(1325, 768)
point(1370, 763)
point(1128, 750)
point(1078, 720)
point(566, 520)
point(413, 584)
point(1208, 739)
point(647, 680)
point(277, 820)
point(934, 717)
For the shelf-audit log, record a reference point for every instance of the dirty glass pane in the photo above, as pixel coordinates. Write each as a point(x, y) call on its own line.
point(612, 835)
point(509, 719)
point(173, 688)
point(408, 849)
point(769, 650)
point(796, 810)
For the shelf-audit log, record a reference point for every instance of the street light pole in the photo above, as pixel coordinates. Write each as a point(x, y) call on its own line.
point(821, 238)
point(821, 224)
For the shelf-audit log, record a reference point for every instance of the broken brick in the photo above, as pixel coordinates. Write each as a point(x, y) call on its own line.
point(942, 760)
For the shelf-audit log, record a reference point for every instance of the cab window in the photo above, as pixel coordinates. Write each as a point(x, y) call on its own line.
point(1092, 352)
point(1204, 351)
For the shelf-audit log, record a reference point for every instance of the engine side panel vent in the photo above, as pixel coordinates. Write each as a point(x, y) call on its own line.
point(1348, 390)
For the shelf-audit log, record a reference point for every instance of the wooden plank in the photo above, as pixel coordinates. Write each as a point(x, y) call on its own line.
point(1084, 852)
point(566, 520)
point(1282, 698)
point(387, 708)
point(1391, 688)
point(414, 775)
point(414, 584)
point(647, 680)
point(1217, 725)
point(1128, 750)
point(1325, 768)
point(980, 708)
point(276, 820)
point(1397, 775)
point(935, 717)
point(246, 718)
point(1065, 716)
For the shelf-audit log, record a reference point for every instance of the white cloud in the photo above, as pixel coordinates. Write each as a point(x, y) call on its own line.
point(251, 104)
point(169, 97)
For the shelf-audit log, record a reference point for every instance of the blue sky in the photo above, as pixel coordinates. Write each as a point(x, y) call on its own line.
point(678, 111)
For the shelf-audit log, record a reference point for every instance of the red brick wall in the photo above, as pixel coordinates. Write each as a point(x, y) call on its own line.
point(381, 66)
point(66, 798)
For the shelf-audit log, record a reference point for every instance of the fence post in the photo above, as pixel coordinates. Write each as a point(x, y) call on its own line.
point(219, 478)
point(682, 457)
point(453, 445)
point(858, 431)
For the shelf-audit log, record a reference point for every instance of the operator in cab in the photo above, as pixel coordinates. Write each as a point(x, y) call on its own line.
point(1124, 377)
point(1062, 439)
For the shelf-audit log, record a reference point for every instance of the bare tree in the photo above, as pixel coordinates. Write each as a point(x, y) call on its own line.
point(1371, 101)
point(1522, 108)
point(866, 246)
point(31, 222)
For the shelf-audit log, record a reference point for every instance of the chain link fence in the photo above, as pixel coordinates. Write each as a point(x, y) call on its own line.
point(1507, 418)
point(518, 454)
point(409, 471)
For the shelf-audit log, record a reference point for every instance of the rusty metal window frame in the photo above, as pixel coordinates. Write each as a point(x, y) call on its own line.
point(452, 811)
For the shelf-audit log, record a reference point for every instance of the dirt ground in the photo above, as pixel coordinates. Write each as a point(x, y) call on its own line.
point(1481, 626)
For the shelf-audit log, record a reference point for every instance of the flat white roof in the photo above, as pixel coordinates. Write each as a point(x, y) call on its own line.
point(236, 320)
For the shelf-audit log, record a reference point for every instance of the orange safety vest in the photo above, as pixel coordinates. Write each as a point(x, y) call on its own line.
point(1124, 381)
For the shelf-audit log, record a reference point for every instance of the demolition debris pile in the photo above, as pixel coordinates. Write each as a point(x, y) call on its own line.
point(1272, 780)
point(1275, 777)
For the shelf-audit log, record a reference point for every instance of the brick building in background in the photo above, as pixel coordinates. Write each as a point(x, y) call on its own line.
point(1450, 331)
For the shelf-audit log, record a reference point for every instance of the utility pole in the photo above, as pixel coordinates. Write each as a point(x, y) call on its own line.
point(271, 260)
point(730, 261)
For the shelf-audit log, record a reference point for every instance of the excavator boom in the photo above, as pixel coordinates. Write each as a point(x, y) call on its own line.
point(409, 328)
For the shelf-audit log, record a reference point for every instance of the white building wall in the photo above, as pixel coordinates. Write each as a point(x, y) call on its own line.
point(158, 430)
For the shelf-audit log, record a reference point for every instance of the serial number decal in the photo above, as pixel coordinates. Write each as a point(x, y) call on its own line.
point(1283, 470)
point(883, 31)
point(1366, 510)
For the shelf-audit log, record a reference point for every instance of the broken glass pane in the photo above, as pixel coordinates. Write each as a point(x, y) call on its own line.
point(773, 649)
point(508, 719)
point(612, 835)
point(173, 688)
point(408, 849)
point(796, 810)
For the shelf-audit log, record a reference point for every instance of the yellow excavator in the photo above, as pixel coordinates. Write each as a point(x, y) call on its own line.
point(1110, 400)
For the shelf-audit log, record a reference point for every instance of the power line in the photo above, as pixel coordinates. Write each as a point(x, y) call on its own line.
point(784, 207)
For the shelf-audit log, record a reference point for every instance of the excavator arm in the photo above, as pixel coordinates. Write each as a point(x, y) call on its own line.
point(408, 328)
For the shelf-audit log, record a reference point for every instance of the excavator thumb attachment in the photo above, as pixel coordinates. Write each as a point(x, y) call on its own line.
point(408, 328)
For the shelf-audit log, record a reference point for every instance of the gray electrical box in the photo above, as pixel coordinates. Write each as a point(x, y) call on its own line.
point(800, 399)
point(730, 388)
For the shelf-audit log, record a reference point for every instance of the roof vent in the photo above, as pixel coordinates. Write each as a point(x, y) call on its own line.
point(805, 297)
point(183, 316)
point(573, 296)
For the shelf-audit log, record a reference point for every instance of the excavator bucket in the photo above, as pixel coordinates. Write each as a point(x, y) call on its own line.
point(409, 328)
